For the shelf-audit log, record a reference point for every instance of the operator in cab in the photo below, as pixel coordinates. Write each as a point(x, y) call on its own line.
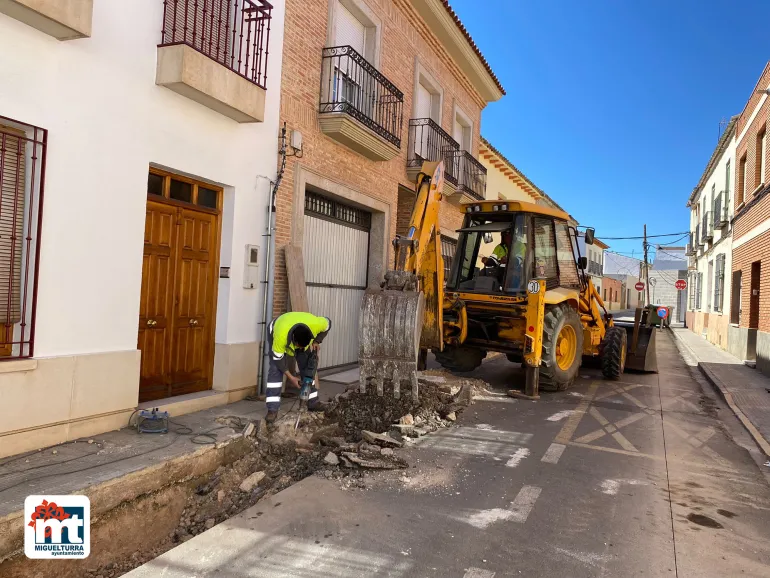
point(293, 337)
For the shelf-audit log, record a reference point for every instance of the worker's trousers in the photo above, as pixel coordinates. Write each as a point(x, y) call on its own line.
point(275, 375)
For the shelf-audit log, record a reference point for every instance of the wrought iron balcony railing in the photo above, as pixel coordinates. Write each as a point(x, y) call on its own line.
point(721, 210)
point(698, 237)
point(234, 33)
point(351, 85)
point(429, 142)
point(707, 227)
point(472, 175)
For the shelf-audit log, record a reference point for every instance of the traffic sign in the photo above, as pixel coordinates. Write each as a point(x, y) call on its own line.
point(639, 286)
point(681, 284)
point(662, 312)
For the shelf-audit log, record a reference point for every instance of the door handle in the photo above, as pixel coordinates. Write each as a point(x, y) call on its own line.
point(193, 322)
point(151, 323)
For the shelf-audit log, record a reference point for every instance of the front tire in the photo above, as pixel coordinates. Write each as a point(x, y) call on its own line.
point(562, 348)
point(460, 358)
point(613, 354)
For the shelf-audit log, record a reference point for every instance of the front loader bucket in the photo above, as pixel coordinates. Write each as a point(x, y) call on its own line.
point(390, 328)
point(640, 348)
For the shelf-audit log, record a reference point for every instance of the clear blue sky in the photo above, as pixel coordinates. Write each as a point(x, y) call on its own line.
point(613, 106)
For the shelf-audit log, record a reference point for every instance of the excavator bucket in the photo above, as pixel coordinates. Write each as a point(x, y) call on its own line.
point(640, 353)
point(389, 339)
point(393, 318)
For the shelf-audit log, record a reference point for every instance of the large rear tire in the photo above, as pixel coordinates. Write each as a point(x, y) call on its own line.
point(562, 348)
point(613, 352)
point(460, 358)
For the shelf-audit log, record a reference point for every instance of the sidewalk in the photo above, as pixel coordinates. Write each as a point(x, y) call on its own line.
point(746, 390)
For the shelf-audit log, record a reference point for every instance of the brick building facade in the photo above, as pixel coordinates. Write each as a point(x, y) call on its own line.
point(749, 334)
point(371, 86)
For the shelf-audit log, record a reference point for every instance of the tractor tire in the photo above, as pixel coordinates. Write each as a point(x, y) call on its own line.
point(562, 348)
point(460, 358)
point(613, 352)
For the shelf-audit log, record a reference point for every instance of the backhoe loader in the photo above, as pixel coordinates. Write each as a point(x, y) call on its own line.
point(517, 285)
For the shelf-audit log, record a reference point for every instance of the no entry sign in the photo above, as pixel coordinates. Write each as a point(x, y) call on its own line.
point(681, 284)
point(639, 286)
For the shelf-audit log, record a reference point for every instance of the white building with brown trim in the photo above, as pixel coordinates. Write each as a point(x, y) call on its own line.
point(137, 147)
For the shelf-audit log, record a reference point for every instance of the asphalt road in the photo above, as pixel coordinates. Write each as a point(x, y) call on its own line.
point(647, 476)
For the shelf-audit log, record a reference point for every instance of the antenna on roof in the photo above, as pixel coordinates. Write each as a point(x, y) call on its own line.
point(722, 126)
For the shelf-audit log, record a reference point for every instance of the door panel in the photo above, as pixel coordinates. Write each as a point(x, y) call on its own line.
point(192, 347)
point(177, 306)
point(155, 303)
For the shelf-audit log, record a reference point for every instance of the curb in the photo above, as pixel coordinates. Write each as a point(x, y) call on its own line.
point(722, 390)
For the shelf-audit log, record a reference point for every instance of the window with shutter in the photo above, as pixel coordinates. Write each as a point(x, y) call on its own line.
point(719, 283)
point(12, 204)
point(350, 31)
point(699, 290)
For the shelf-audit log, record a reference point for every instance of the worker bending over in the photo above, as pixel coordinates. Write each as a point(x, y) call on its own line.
point(292, 337)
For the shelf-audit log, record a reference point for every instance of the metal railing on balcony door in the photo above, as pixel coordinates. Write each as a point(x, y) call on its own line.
point(721, 210)
point(472, 175)
point(22, 179)
point(429, 142)
point(234, 33)
point(707, 227)
point(351, 85)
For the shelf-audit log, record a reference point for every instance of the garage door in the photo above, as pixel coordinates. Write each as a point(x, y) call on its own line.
point(336, 250)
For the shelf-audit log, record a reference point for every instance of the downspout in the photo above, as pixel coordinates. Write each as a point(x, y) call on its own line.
point(267, 312)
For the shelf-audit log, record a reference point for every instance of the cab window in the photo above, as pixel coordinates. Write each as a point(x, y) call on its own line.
point(545, 264)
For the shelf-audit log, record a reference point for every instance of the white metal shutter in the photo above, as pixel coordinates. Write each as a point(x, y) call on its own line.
point(336, 261)
point(12, 203)
point(423, 102)
point(349, 29)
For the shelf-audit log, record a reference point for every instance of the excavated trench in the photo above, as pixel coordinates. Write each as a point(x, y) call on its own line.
point(359, 433)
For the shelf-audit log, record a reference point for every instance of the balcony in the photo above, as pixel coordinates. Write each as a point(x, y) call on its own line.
point(62, 20)
point(216, 53)
point(707, 227)
point(429, 142)
point(360, 108)
point(472, 178)
point(594, 268)
point(689, 249)
point(698, 237)
point(721, 211)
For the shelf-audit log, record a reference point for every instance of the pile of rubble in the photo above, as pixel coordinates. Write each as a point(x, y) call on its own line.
point(358, 433)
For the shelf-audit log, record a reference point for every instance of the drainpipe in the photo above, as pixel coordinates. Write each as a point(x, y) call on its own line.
point(267, 312)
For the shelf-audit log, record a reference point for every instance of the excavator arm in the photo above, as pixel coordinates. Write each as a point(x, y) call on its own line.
point(406, 313)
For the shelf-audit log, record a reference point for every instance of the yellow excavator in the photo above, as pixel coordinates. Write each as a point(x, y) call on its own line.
point(517, 285)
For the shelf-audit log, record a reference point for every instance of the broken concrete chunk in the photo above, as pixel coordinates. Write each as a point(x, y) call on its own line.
point(220, 495)
point(380, 439)
point(249, 430)
point(210, 523)
point(451, 416)
point(383, 463)
point(386, 451)
point(251, 482)
point(331, 459)
point(408, 419)
point(404, 430)
point(346, 462)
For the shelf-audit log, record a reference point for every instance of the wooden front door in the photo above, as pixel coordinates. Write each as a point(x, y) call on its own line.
point(178, 299)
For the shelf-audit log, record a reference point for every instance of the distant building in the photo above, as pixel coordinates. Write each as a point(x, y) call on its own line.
point(629, 271)
point(669, 265)
point(595, 255)
point(749, 329)
point(612, 290)
point(710, 246)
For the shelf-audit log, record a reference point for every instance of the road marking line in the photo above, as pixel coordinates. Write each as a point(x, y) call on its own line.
point(611, 487)
point(568, 430)
point(599, 417)
point(561, 415)
point(553, 453)
point(624, 443)
point(595, 560)
point(524, 502)
point(516, 458)
point(478, 573)
point(518, 511)
point(494, 399)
